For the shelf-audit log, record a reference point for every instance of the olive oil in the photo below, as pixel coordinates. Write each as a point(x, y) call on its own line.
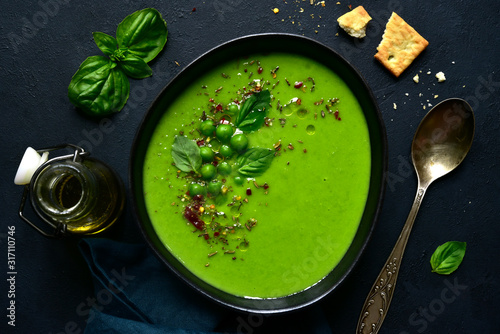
point(85, 196)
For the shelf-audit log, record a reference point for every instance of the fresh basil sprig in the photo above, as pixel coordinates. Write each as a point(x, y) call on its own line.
point(253, 112)
point(100, 86)
point(255, 161)
point(186, 154)
point(447, 257)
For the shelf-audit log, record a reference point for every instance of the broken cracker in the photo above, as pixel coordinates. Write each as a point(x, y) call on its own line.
point(400, 45)
point(355, 21)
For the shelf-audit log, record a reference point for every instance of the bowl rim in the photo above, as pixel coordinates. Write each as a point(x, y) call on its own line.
point(379, 195)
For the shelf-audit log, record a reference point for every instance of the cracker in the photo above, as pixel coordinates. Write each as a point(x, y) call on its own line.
point(400, 45)
point(355, 21)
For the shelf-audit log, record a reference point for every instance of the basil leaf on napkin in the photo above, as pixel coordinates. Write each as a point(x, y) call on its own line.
point(143, 33)
point(186, 154)
point(447, 257)
point(255, 161)
point(99, 87)
point(253, 112)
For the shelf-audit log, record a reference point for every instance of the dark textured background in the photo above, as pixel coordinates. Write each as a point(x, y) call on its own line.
point(43, 43)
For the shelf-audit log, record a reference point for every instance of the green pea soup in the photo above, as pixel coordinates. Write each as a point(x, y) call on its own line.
point(285, 230)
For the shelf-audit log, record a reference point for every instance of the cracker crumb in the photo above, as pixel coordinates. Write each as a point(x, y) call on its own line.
point(416, 78)
point(355, 22)
point(440, 76)
point(394, 105)
point(276, 10)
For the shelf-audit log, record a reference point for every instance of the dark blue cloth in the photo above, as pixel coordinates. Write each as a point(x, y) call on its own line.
point(136, 293)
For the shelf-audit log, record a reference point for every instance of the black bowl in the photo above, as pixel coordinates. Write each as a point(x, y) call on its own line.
point(241, 47)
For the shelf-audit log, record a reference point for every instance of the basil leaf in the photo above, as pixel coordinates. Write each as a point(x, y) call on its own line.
point(135, 67)
point(99, 87)
point(255, 161)
point(186, 154)
point(447, 257)
point(253, 112)
point(106, 43)
point(144, 33)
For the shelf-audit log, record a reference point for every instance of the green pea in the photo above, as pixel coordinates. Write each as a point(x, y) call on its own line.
point(224, 168)
point(226, 151)
point(196, 189)
point(233, 109)
point(239, 180)
point(207, 128)
point(208, 171)
point(214, 188)
point(239, 142)
point(224, 132)
point(207, 155)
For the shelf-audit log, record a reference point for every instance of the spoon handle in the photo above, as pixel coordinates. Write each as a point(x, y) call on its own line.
point(380, 296)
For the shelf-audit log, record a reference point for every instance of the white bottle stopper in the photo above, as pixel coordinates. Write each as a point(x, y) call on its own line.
point(30, 162)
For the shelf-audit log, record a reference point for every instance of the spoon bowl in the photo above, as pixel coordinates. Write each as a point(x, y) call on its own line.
point(442, 139)
point(440, 144)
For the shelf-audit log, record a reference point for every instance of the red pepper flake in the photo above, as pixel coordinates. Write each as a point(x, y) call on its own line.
point(259, 70)
point(299, 102)
point(266, 186)
point(298, 84)
point(193, 218)
point(305, 151)
point(206, 236)
point(249, 191)
point(198, 198)
point(216, 234)
point(200, 142)
point(234, 257)
point(336, 114)
point(219, 107)
point(194, 9)
point(211, 100)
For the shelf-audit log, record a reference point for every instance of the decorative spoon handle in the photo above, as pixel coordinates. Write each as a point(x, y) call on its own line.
point(380, 296)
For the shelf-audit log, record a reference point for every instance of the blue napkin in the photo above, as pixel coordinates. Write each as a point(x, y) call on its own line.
point(136, 293)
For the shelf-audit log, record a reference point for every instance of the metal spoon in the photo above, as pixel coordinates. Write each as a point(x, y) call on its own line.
point(441, 142)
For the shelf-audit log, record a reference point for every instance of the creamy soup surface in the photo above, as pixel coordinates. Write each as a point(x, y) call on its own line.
point(280, 232)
